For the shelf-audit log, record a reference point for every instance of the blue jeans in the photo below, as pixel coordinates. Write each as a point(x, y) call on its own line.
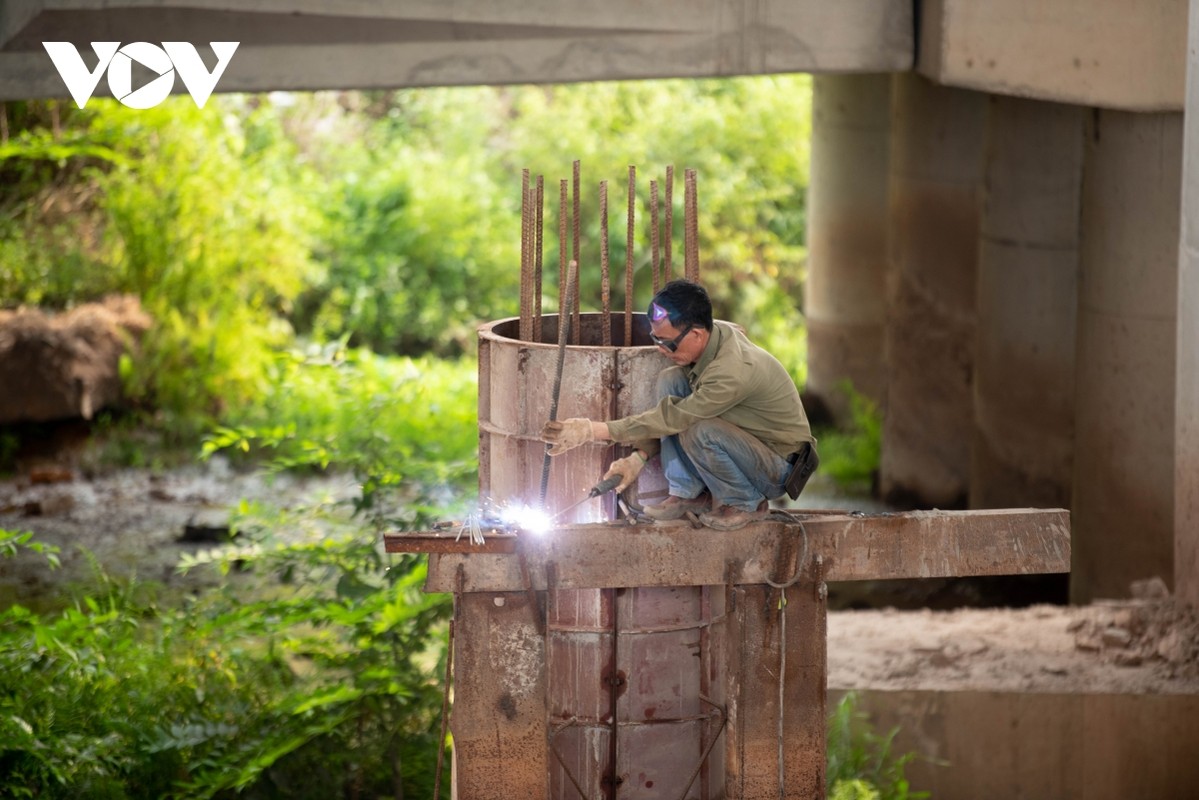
point(735, 466)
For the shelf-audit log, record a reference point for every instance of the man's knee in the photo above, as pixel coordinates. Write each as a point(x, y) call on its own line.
point(705, 434)
point(672, 382)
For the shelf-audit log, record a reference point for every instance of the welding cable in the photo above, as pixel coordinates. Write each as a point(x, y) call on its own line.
point(564, 326)
point(782, 587)
point(799, 562)
point(459, 588)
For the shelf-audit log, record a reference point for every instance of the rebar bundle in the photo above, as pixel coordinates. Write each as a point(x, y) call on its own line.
point(661, 236)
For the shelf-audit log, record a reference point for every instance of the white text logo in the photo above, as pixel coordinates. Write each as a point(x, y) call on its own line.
point(163, 61)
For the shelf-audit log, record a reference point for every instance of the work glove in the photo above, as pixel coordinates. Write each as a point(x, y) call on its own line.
point(628, 468)
point(566, 434)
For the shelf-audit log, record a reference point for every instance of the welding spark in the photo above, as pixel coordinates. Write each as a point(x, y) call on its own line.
point(527, 518)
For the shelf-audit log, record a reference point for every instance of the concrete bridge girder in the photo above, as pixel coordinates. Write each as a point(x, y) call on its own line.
point(315, 44)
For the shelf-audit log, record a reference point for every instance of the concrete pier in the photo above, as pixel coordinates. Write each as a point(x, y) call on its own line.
point(845, 298)
point(1028, 261)
point(1123, 501)
point(935, 166)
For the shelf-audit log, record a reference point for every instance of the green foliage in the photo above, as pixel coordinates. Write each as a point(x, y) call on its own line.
point(422, 243)
point(201, 214)
point(852, 456)
point(321, 679)
point(214, 260)
point(12, 542)
point(386, 220)
point(399, 425)
point(747, 139)
point(861, 765)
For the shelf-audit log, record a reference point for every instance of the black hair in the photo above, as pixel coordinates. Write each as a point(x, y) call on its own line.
point(685, 303)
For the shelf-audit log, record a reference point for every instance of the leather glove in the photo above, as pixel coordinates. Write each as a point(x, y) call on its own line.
point(628, 468)
point(566, 434)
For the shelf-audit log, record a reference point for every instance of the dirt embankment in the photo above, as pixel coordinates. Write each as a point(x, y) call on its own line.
point(65, 365)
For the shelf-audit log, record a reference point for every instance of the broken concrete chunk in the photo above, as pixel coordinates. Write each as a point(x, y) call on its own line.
point(1116, 637)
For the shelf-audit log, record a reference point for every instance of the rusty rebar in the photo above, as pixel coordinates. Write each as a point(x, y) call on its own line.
point(537, 255)
point(561, 249)
point(691, 221)
point(653, 234)
point(628, 259)
point(668, 226)
point(576, 177)
point(564, 325)
point(605, 278)
point(525, 330)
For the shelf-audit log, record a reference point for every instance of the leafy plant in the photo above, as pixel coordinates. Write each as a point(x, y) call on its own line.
point(861, 765)
point(406, 428)
point(319, 679)
point(852, 456)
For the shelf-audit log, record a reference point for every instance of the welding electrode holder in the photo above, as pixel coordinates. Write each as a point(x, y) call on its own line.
point(603, 487)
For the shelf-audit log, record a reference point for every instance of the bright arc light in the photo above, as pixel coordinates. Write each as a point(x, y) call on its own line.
point(527, 518)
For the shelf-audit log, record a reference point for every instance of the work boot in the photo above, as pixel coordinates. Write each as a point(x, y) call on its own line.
point(677, 507)
point(730, 518)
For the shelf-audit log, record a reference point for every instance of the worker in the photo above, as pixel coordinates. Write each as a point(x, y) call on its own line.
point(729, 424)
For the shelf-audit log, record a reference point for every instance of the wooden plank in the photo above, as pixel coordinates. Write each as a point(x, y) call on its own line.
point(916, 544)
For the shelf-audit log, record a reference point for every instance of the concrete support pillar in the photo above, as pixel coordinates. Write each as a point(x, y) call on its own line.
point(845, 298)
point(1123, 506)
point(936, 167)
point(1027, 296)
point(1186, 403)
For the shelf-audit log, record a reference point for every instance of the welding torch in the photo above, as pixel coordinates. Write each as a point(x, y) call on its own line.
point(604, 486)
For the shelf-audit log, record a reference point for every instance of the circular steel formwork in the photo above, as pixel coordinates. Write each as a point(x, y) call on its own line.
point(635, 701)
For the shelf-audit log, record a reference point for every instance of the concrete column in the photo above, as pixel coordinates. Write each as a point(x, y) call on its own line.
point(1123, 505)
point(1027, 296)
point(1186, 403)
point(844, 300)
point(936, 161)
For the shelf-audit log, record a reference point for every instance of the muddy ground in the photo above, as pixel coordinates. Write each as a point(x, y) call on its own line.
point(140, 522)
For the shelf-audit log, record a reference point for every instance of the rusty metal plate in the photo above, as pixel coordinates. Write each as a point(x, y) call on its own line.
point(433, 542)
point(916, 544)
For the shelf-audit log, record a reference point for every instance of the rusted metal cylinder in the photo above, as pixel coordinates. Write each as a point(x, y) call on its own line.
point(598, 382)
point(634, 690)
point(652, 655)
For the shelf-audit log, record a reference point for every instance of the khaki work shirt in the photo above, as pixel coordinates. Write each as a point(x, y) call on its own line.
point(736, 381)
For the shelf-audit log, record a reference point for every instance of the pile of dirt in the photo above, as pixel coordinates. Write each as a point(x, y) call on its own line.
point(66, 365)
point(1138, 645)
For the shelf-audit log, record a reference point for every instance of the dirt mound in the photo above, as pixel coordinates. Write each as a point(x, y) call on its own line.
point(66, 365)
point(1146, 644)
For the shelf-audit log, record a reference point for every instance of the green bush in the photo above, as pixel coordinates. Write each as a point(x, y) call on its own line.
point(861, 765)
point(404, 427)
point(852, 455)
point(320, 680)
point(202, 214)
